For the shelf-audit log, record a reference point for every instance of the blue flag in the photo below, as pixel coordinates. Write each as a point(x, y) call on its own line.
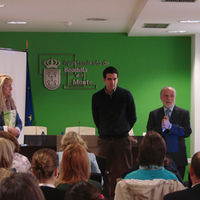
point(29, 116)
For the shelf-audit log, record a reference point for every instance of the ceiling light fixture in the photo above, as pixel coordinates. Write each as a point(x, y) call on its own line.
point(96, 19)
point(177, 31)
point(153, 25)
point(189, 21)
point(16, 22)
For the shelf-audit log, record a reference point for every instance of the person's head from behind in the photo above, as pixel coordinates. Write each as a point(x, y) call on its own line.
point(110, 78)
point(5, 172)
point(11, 138)
point(20, 186)
point(72, 138)
point(152, 149)
point(84, 191)
point(6, 153)
point(195, 168)
point(75, 165)
point(44, 165)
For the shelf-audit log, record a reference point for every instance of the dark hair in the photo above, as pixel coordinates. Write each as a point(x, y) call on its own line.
point(152, 149)
point(84, 191)
point(44, 162)
point(110, 70)
point(20, 186)
point(195, 164)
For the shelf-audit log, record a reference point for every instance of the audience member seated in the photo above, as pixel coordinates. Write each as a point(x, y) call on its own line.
point(151, 156)
point(20, 186)
point(20, 162)
point(4, 173)
point(74, 167)
point(134, 189)
point(84, 191)
point(6, 157)
point(170, 165)
point(73, 137)
point(44, 166)
point(192, 193)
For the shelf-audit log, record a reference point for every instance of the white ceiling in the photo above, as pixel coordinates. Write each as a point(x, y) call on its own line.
point(126, 16)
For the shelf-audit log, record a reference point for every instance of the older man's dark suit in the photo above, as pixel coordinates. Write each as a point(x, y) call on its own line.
point(188, 194)
point(179, 118)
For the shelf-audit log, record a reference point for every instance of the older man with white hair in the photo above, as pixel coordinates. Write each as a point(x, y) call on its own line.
point(173, 123)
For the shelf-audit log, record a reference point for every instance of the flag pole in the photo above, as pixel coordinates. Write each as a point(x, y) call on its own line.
point(26, 45)
point(29, 115)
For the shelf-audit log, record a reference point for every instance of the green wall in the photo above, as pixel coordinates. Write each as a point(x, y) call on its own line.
point(145, 64)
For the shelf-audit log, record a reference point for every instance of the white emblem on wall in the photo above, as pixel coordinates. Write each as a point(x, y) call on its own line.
point(52, 74)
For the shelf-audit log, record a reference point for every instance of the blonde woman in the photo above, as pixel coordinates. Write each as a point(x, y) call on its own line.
point(6, 153)
point(9, 118)
point(20, 162)
point(6, 157)
point(72, 138)
point(4, 173)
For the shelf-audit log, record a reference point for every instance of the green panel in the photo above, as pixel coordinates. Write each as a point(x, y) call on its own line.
point(145, 64)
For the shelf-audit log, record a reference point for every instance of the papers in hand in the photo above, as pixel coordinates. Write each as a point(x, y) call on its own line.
point(10, 118)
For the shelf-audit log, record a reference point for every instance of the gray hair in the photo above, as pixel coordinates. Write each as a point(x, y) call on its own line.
point(168, 87)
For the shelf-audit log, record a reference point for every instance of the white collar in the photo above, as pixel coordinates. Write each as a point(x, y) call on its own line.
point(171, 108)
point(47, 184)
point(151, 167)
point(195, 184)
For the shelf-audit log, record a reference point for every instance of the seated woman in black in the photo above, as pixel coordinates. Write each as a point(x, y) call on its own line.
point(45, 167)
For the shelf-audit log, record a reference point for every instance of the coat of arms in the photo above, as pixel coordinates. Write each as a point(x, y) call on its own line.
point(51, 74)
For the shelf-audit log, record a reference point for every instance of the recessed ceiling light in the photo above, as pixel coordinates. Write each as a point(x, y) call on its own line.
point(176, 31)
point(153, 25)
point(16, 22)
point(96, 19)
point(189, 21)
point(2, 5)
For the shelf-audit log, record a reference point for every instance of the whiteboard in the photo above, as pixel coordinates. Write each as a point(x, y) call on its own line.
point(13, 63)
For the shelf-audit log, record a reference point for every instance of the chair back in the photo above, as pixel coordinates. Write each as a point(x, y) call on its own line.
point(35, 130)
point(132, 189)
point(82, 130)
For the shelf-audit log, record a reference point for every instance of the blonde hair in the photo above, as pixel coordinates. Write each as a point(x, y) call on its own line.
point(5, 172)
point(7, 149)
point(72, 138)
point(10, 137)
point(3, 107)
